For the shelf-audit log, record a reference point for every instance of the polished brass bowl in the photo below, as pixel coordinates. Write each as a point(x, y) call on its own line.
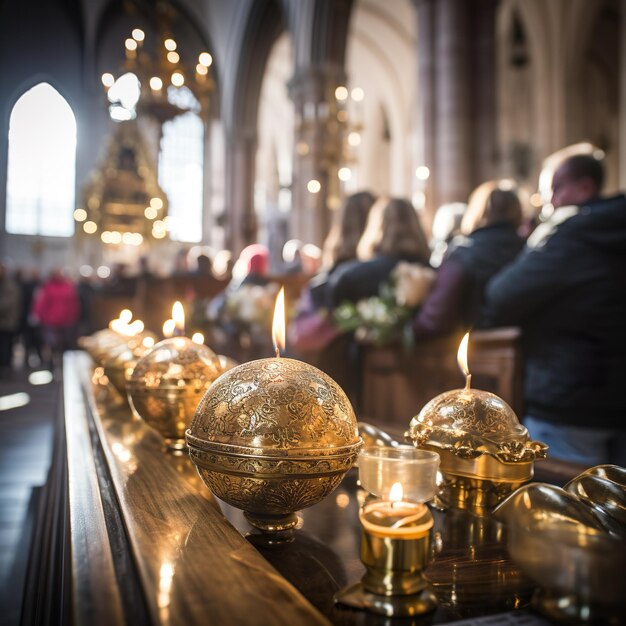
point(603, 489)
point(168, 382)
point(272, 437)
point(561, 542)
point(485, 451)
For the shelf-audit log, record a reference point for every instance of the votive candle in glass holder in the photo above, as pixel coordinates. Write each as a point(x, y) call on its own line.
point(396, 532)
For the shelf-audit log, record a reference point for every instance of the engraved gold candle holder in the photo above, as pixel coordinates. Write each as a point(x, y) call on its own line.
point(485, 452)
point(167, 384)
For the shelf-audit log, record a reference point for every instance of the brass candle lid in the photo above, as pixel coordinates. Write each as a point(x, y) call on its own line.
point(476, 433)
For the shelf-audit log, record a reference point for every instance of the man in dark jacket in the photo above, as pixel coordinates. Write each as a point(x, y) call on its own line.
point(566, 291)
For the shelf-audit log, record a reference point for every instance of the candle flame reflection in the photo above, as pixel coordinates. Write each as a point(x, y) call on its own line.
point(198, 338)
point(278, 325)
point(168, 328)
point(396, 493)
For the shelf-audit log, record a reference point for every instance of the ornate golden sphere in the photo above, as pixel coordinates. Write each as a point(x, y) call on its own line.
point(120, 365)
point(272, 437)
point(477, 435)
point(167, 383)
point(102, 344)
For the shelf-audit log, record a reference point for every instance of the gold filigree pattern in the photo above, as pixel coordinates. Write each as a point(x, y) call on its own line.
point(277, 403)
point(273, 436)
point(256, 495)
point(471, 423)
point(168, 382)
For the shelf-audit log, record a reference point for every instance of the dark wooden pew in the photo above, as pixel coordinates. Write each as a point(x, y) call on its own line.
point(396, 384)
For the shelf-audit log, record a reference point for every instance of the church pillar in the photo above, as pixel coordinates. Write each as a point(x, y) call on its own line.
point(241, 228)
point(318, 140)
point(456, 84)
point(320, 28)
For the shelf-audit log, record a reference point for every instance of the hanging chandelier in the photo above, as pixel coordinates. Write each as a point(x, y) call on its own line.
point(153, 75)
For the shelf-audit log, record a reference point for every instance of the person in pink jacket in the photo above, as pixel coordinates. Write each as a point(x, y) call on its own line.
point(57, 308)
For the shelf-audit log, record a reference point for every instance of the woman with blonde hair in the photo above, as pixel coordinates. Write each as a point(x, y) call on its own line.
point(488, 243)
point(341, 244)
point(393, 234)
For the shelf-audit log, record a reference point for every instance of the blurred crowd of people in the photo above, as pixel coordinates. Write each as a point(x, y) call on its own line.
point(485, 266)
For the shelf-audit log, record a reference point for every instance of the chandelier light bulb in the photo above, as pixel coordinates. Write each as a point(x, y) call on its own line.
point(357, 94)
point(169, 44)
point(108, 79)
point(130, 44)
point(90, 227)
point(173, 57)
point(422, 172)
point(341, 93)
point(156, 203)
point(150, 213)
point(178, 80)
point(156, 83)
point(202, 69)
point(314, 186)
point(354, 139)
point(80, 215)
point(205, 59)
point(344, 174)
point(138, 34)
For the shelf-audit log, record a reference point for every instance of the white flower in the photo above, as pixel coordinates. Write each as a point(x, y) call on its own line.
point(412, 283)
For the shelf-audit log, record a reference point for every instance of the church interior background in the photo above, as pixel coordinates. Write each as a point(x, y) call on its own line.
point(135, 133)
point(297, 104)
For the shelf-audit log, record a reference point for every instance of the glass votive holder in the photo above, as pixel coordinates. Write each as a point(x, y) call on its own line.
point(416, 470)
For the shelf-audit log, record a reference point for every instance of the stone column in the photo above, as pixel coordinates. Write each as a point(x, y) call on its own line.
point(484, 88)
point(318, 140)
point(452, 170)
point(456, 87)
point(241, 226)
point(425, 95)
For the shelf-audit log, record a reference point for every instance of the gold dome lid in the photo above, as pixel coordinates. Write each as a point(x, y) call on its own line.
point(477, 434)
point(276, 408)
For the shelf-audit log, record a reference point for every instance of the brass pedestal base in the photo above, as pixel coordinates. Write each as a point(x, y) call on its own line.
point(176, 447)
point(357, 597)
point(473, 494)
point(272, 524)
point(393, 583)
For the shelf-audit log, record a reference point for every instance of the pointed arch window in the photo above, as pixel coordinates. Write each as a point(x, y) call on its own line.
point(181, 162)
point(41, 173)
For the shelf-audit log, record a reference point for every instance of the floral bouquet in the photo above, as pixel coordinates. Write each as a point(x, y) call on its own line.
point(384, 318)
point(243, 315)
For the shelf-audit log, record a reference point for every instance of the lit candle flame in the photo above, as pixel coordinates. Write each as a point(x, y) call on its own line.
point(461, 357)
point(126, 315)
point(396, 493)
point(135, 328)
point(178, 315)
point(278, 325)
point(198, 338)
point(168, 328)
